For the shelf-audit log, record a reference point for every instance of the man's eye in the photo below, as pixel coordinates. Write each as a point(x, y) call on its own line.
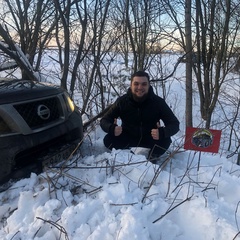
point(140, 84)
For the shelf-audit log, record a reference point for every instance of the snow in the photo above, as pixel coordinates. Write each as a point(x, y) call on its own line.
point(119, 195)
point(115, 195)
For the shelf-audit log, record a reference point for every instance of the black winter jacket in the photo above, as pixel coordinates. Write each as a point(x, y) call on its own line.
point(138, 119)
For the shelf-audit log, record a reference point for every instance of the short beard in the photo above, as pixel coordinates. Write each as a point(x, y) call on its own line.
point(139, 99)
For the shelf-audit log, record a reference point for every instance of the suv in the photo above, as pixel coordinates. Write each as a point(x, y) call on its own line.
point(39, 123)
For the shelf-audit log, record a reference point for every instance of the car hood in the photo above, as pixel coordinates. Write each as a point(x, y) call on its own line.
point(21, 90)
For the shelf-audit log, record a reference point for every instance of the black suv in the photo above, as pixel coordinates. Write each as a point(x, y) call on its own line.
point(36, 120)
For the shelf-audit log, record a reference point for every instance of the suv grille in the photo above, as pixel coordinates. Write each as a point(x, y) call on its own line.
point(39, 113)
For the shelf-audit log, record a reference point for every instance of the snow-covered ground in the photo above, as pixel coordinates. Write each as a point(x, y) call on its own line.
point(119, 195)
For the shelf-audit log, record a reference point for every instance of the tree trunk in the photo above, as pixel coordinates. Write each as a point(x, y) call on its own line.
point(188, 64)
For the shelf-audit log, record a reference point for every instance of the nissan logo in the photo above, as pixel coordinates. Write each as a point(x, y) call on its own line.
point(43, 112)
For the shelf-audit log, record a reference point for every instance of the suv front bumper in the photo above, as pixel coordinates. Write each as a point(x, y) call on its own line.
point(27, 149)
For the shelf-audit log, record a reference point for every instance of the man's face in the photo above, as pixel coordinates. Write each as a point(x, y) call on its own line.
point(140, 87)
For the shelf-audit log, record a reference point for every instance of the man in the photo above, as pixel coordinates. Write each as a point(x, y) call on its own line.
point(140, 111)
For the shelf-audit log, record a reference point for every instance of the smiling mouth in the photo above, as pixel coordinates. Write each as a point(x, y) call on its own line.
point(140, 93)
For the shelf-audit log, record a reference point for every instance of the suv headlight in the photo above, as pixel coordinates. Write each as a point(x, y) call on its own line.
point(4, 128)
point(69, 103)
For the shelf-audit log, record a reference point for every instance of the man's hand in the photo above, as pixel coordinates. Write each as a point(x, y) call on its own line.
point(155, 132)
point(117, 129)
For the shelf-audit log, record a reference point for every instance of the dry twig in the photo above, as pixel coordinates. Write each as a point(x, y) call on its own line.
point(59, 227)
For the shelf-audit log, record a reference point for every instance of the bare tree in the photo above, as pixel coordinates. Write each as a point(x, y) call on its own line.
point(217, 26)
point(85, 37)
point(141, 28)
point(63, 35)
point(27, 25)
point(98, 49)
point(178, 11)
point(189, 121)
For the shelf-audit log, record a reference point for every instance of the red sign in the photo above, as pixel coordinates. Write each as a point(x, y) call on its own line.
point(201, 139)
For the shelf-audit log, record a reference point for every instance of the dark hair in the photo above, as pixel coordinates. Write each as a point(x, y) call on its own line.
point(140, 74)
